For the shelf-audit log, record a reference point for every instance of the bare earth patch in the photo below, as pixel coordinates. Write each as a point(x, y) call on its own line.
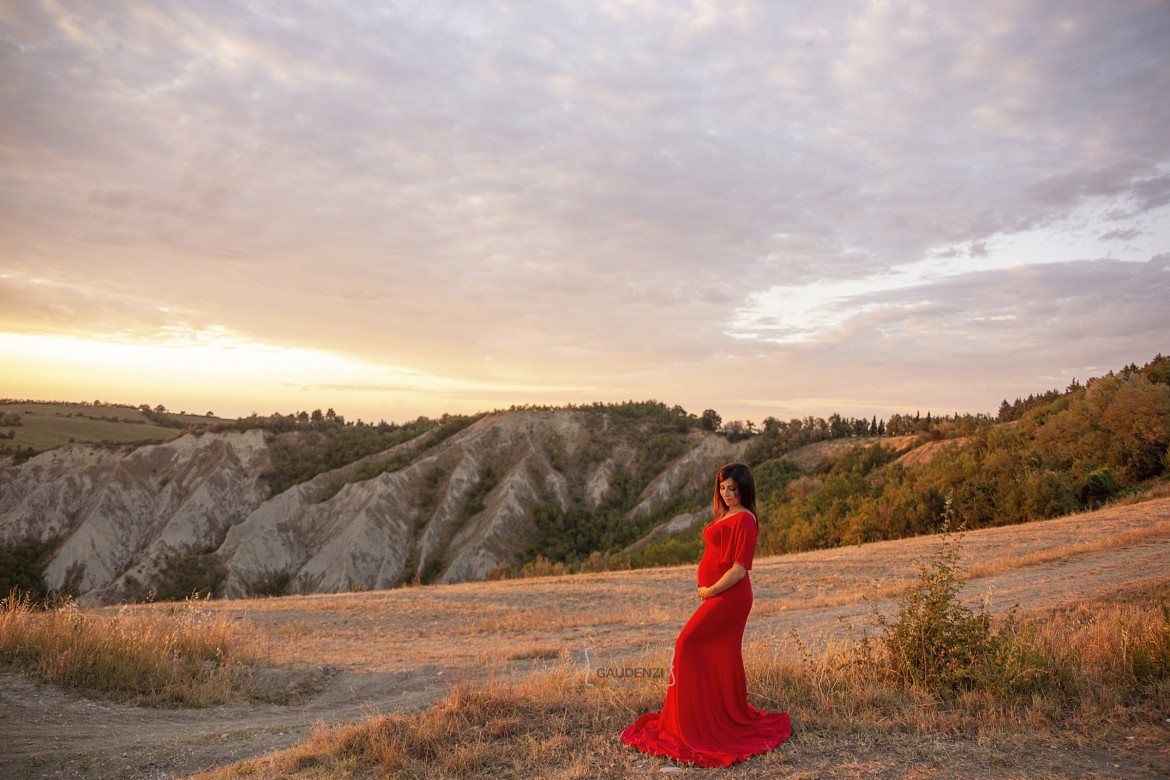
point(342, 658)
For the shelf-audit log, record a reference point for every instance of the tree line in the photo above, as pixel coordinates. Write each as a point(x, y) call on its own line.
point(1041, 456)
point(1071, 451)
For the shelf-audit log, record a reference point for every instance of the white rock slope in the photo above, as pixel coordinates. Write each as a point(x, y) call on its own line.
point(461, 506)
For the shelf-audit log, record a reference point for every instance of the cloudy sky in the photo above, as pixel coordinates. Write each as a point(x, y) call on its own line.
point(404, 208)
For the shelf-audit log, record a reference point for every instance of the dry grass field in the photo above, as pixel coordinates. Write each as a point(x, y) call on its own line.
point(441, 681)
point(44, 426)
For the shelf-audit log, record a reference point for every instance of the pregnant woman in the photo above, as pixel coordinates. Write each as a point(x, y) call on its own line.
point(706, 719)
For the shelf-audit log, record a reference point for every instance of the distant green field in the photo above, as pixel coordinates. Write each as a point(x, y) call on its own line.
point(44, 426)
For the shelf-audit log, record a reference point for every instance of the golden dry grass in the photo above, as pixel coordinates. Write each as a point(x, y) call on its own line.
point(562, 721)
point(477, 624)
point(179, 657)
point(977, 570)
point(520, 650)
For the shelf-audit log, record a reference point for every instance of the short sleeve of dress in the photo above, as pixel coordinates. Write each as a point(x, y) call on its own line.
point(741, 546)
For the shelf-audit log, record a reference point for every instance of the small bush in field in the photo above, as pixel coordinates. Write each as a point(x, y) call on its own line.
point(940, 644)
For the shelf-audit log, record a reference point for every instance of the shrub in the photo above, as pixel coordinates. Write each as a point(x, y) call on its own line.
point(273, 583)
point(477, 497)
point(22, 568)
point(1094, 486)
point(183, 576)
point(938, 643)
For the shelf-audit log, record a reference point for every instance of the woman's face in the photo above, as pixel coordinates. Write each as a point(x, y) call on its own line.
point(729, 492)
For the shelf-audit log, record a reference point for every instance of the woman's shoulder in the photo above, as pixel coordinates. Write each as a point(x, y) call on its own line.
point(740, 516)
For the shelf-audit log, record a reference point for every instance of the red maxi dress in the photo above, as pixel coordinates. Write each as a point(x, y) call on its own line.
point(706, 719)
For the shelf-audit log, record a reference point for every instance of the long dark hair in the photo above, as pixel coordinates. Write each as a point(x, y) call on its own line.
point(745, 483)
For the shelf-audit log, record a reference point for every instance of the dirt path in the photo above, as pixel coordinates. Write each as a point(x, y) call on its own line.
point(346, 657)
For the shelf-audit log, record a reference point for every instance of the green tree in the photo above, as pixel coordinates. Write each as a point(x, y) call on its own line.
point(710, 420)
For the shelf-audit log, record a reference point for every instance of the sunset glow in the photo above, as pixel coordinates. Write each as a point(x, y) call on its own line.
point(762, 209)
point(216, 371)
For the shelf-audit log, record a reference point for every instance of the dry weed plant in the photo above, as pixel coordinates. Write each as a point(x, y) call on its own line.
point(181, 657)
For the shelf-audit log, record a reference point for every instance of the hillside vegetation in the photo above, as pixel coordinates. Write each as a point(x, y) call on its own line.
point(1069, 452)
point(310, 502)
point(824, 484)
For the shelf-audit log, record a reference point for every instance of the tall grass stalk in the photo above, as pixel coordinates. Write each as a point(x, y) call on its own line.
point(183, 657)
